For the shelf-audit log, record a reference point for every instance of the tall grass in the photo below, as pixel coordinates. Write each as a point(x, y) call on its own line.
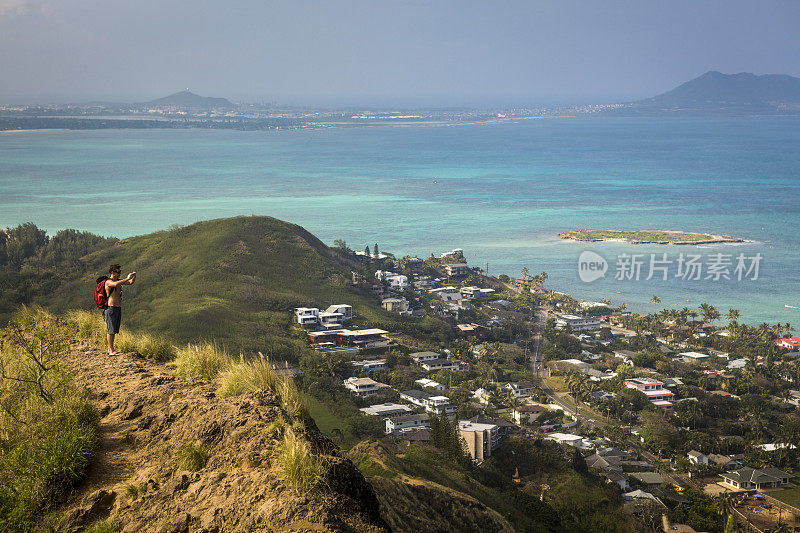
point(297, 466)
point(205, 360)
point(258, 374)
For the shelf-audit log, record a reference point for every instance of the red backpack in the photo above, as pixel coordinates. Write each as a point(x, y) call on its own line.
point(100, 296)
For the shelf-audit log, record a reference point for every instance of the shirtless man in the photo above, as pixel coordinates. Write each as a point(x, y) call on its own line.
point(113, 313)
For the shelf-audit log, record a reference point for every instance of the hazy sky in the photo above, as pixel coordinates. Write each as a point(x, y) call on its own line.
point(378, 51)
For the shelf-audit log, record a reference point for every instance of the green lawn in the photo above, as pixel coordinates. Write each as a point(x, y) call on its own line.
point(329, 424)
point(789, 496)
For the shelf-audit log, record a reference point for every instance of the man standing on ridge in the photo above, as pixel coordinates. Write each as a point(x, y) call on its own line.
point(113, 313)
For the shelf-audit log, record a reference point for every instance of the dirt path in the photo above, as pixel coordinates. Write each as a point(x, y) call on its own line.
point(148, 416)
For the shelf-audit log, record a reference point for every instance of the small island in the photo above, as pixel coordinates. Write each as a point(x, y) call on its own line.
point(647, 237)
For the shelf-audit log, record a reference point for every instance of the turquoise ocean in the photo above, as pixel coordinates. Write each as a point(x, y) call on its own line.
point(500, 191)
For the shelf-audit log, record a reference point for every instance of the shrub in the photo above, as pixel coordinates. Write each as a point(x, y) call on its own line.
point(297, 466)
point(204, 360)
point(48, 428)
point(191, 457)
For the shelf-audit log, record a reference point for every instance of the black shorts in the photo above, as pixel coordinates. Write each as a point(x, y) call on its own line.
point(113, 318)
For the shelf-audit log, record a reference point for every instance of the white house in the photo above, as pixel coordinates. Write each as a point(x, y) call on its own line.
point(396, 281)
point(306, 316)
point(441, 364)
point(693, 356)
point(386, 409)
point(520, 389)
point(363, 386)
point(697, 457)
point(343, 309)
point(419, 357)
point(426, 383)
point(400, 422)
point(431, 403)
point(751, 478)
point(654, 390)
point(370, 365)
point(527, 414)
point(578, 323)
point(567, 438)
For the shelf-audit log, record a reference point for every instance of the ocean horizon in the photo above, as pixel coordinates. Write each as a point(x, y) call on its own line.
point(501, 191)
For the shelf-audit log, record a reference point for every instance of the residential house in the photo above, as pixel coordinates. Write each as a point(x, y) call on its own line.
point(654, 390)
point(397, 282)
point(481, 439)
point(370, 365)
point(306, 316)
point(426, 383)
point(363, 386)
point(472, 330)
point(419, 357)
point(430, 402)
point(482, 395)
point(521, 389)
point(343, 309)
point(688, 357)
point(476, 293)
point(640, 495)
point(789, 343)
point(396, 305)
point(648, 478)
point(395, 424)
point(357, 338)
point(435, 365)
point(411, 436)
point(455, 270)
point(602, 396)
point(697, 457)
point(527, 414)
point(727, 461)
point(578, 323)
point(504, 427)
point(615, 476)
point(386, 409)
point(567, 438)
point(759, 479)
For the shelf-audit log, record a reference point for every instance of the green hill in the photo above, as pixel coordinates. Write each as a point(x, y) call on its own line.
point(233, 280)
point(715, 93)
point(189, 100)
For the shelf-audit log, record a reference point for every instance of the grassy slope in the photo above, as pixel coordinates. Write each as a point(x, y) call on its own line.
point(234, 280)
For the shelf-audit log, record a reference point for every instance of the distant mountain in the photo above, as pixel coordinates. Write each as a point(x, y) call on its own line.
point(188, 99)
point(715, 93)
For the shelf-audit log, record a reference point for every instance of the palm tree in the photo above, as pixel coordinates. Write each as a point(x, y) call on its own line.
point(655, 300)
point(733, 315)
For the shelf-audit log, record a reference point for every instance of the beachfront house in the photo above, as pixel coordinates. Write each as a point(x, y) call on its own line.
point(789, 343)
